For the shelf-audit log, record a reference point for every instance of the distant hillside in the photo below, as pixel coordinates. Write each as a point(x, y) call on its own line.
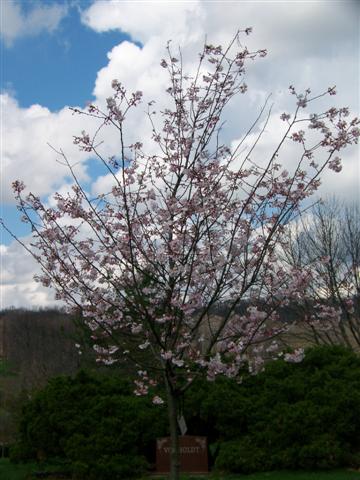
point(40, 344)
point(37, 345)
point(34, 346)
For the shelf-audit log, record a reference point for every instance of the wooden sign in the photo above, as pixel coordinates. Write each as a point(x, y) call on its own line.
point(193, 454)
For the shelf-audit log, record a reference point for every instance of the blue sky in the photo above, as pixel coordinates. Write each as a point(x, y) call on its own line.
point(60, 53)
point(59, 68)
point(54, 70)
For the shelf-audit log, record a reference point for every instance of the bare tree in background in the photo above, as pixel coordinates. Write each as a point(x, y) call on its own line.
point(326, 244)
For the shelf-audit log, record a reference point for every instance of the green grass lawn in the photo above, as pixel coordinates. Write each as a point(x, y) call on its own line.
point(327, 475)
point(9, 471)
point(20, 471)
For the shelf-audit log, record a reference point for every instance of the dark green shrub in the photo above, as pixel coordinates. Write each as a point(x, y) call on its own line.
point(294, 416)
point(291, 416)
point(243, 456)
point(93, 422)
point(323, 452)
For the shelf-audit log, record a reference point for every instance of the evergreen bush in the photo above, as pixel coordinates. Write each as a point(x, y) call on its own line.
point(290, 416)
point(296, 416)
point(95, 423)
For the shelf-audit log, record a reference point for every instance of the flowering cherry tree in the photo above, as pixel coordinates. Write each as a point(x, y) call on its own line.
point(185, 229)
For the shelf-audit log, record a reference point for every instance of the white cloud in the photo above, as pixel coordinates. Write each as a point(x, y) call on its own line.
point(289, 28)
point(344, 184)
point(310, 44)
point(17, 287)
point(25, 153)
point(15, 23)
point(146, 20)
point(137, 68)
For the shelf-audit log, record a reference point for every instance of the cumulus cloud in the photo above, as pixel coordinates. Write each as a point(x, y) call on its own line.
point(15, 23)
point(310, 45)
point(25, 151)
point(290, 29)
point(297, 55)
point(146, 20)
point(18, 288)
point(344, 184)
point(137, 68)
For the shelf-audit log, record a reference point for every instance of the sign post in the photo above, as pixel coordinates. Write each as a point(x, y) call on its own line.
point(193, 454)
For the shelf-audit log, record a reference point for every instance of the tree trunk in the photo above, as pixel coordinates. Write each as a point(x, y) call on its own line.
point(172, 401)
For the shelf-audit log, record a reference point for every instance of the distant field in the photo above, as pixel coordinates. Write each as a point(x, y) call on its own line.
point(9, 471)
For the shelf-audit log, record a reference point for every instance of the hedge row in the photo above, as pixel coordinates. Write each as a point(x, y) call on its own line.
point(92, 425)
point(294, 416)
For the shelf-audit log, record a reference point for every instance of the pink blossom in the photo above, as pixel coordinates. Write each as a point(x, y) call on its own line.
point(335, 164)
point(157, 400)
point(141, 389)
point(297, 356)
point(167, 355)
point(145, 345)
point(178, 362)
point(18, 186)
point(285, 116)
point(298, 136)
